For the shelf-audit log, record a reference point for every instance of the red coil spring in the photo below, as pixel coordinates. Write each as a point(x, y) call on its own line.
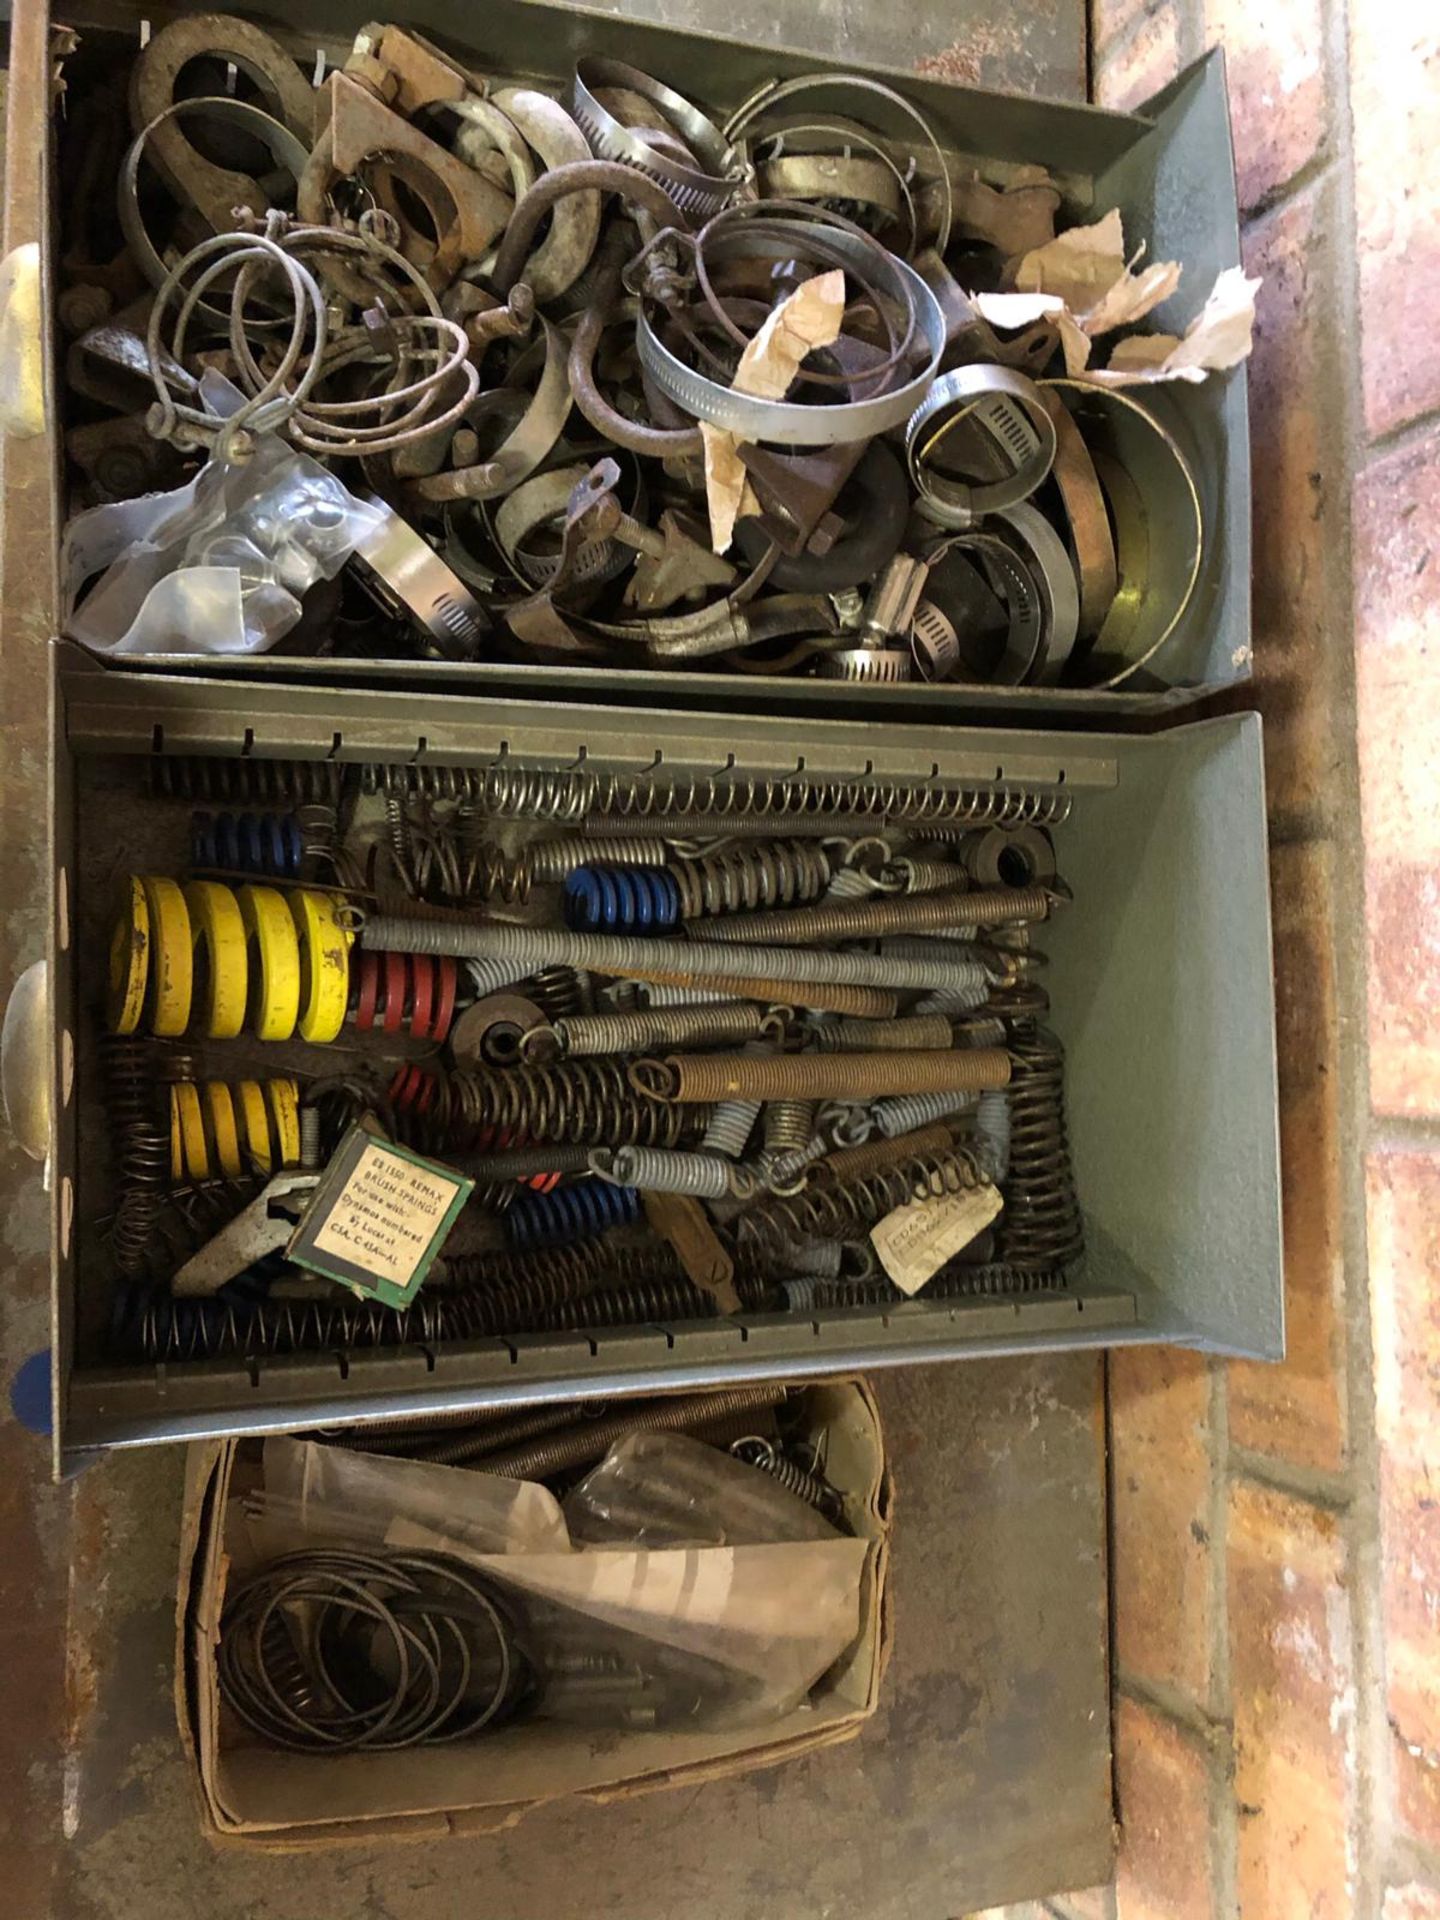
point(410, 993)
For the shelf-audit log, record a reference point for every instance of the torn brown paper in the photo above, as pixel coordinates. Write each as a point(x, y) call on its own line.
point(808, 318)
point(1219, 336)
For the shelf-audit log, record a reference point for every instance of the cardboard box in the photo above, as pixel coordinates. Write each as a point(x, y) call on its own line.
point(254, 1795)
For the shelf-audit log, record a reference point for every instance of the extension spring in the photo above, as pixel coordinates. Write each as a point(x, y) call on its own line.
point(269, 844)
point(789, 1474)
point(707, 1176)
point(580, 1212)
point(245, 780)
point(839, 1212)
point(592, 1439)
point(1042, 1224)
point(660, 1027)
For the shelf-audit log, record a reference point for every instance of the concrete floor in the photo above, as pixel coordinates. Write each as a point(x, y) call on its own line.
point(984, 1776)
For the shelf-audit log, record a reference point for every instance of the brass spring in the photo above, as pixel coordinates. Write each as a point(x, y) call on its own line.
point(140, 1139)
point(685, 1077)
point(928, 876)
point(474, 1443)
point(788, 1126)
point(592, 1439)
point(930, 1033)
point(738, 879)
point(1042, 1224)
point(574, 1102)
point(838, 1212)
point(245, 780)
point(906, 913)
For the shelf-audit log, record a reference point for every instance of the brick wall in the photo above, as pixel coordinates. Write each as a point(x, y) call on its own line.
point(1277, 1529)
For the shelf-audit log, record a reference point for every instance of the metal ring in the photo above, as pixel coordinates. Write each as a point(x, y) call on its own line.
point(1054, 571)
point(790, 423)
point(988, 392)
point(695, 192)
point(1009, 575)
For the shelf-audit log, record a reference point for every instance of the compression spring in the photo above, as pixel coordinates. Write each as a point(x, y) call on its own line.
point(560, 992)
point(914, 1110)
point(141, 1145)
point(994, 1280)
point(633, 1305)
point(571, 794)
point(553, 860)
point(570, 1270)
point(405, 992)
point(859, 1161)
point(838, 1212)
point(580, 1212)
point(574, 1102)
point(621, 900)
point(260, 843)
point(785, 1171)
point(661, 1027)
point(788, 1126)
point(928, 1034)
point(708, 1176)
point(763, 1455)
point(907, 913)
point(1042, 1224)
point(245, 780)
point(156, 1326)
point(739, 879)
point(686, 1077)
point(592, 1439)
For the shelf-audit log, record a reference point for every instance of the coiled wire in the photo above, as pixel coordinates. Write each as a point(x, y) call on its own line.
point(243, 780)
point(573, 1102)
point(840, 1211)
point(140, 1143)
point(579, 1212)
point(1041, 1226)
point(739, 879)
point(262, 843)
point(592, 1439)
point(679, 1026)
point(912, 1110)
point(708, 1176)
point(621, 900)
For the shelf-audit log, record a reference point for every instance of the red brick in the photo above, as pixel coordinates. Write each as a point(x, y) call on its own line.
point(1296, 1410)
point(1138, 65)
point(1279, 99)
point(1294, 1705)
point(1162, 1783)
point(1161, 1479)
point(1395, 107)
point(1294, 417)
point(1404, 1217)
point(1087, 1903)
point(1111, 20)
point(1411, 1902)
point(1397, 665)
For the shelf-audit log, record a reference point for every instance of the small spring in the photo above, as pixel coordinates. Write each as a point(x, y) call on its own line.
point(560, 992)
point(987, 1032)
point(788, 1473)
point(1042, 1224)
point(776, 873)
point(785, 1170)
point(838, 1212)
point(592, 1439)
point(263, 843)
point(708, 1176)
point(929, 876)
point(799, 1295)
point(729, 1128)
point(992, 1134)
point(788, 1126)
point(581, 1212)
point(410, 993)
point(628, 1306)
point(906, 913)
point(621, 900)
point(398, 829)
point(571, 1270)
point(140, 1137)
point(909, 1111)
point(245, 780)
point(815, 1259)
point(679, 1026)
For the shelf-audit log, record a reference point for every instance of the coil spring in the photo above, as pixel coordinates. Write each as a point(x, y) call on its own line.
point(554, 860)
point(788, 1125)
point(447, 860)
point(677, 1299)
point(994, 1280)
point(777, 873)
point(404, 992)
point(621, 900)
point(584, 1264)
point(560, 992)
point(261, 843)
point(152, 1325)
point(140, 1137)
point(574, 1102)
point(244, 780)
point(1042, 1224)
point(838, 1212)
point(708, 1176)
point(908, 1111)
point(580, 1212)
point(786, 1169)
point(789, 1474)
point(992, 1133)
point(593, 1438)
point(571, 794)
point(729, 1127)
point(677, 1026)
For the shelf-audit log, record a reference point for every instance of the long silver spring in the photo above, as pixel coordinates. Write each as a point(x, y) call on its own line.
point(708, 1176)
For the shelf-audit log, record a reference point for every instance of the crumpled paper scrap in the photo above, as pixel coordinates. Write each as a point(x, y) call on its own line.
point(808, 318)
point(1083, 282)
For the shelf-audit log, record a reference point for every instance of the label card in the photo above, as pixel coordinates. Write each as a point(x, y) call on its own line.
point(914, 1242)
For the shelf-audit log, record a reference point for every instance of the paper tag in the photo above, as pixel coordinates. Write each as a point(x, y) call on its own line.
point(379, 1217)
point(914, 1242)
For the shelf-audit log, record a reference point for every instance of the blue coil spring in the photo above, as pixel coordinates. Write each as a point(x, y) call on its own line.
point(266, 843)
point(580, 1212)
point(621, 900)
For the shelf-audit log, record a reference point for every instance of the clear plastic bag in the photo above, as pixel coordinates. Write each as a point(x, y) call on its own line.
point(633, 1636)
point(667, 1490)
point(218, 566)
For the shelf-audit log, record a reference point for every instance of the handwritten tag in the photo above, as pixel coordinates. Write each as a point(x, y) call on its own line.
point(379, 1217)
point(914, 1242)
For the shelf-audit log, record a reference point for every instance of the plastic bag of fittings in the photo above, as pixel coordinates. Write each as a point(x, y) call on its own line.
point(218, 566)
point(667, 1490)
point(732, 1635)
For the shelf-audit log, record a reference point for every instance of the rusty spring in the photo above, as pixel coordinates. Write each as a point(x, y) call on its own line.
point(839, 1211)
point(739, 879)
point(1041, 1226)
point(245, 780)
point(573, 1102)
point(684, 1078)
